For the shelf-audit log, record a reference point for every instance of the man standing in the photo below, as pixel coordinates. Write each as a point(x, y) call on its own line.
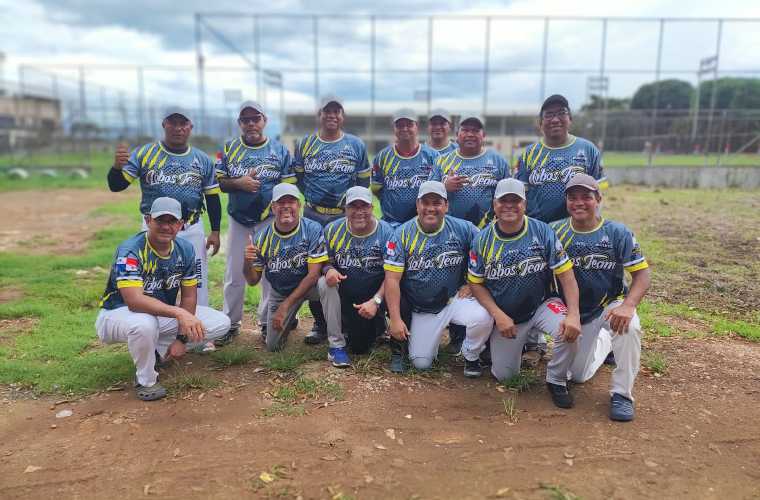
point(250, 167)
point(511, 267)
point(439, 128)
point(546, 166)
point(398, 170)
point(601, 250)
point(326, 164)
point(356, 247)
point(291, 250)
point(470, 173)
point(425, 264)
point(173, 168)
point(138, 306)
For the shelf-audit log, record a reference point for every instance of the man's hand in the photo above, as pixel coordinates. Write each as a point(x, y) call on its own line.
point(398, 330)
point(121, 157)
point(190, 325)
point(176, 350)
point(214, 241)
point(333, 277)
point(367, 310)
point(570, 328)
point(465, 292)
point(248, 184)
point(505, 325)
point(455, 182)
point(620, 318)
point(278, 320)
point(251, 252)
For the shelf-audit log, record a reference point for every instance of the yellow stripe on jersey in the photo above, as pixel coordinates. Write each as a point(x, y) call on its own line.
point(316, 260)
point(129, 283)
point(190, 282)
point(162, 162)
point(564, 267)
point(364, 173)
point(336, 233)
point(414, 242)
point(475, 279)
point(212, 190)
point(234, 152)
point(637, 267)
point(128, 177)
point(392, 268)
point(147, 154)
point(289, 180)
point(140, 152)
point(105, 298)
point(530, 153)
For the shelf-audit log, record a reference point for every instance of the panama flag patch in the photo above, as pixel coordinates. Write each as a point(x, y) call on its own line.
point(473, 258)
point(127, 263)
point(390, 248)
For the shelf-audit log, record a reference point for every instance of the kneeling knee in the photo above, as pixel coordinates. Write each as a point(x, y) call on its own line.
point(422, 363)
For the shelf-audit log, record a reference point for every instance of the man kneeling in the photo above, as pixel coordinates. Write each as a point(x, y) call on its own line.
point(138, 306)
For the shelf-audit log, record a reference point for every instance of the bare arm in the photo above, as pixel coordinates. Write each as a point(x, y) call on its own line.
point(189, 324)
point(620, 317)
point(392, 289)
point(570, 328)
point(504, 324)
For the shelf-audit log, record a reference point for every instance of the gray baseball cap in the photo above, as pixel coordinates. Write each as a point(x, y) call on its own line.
point(328, 99)
point(253, 105)
point(583, 180)
point(440, 113)
point(405, 114)
point(166, 206)
point(285, 189)
point(358, 193)
point(509, 186)
point(177, 110)
point(473, 116)
point(432, 187)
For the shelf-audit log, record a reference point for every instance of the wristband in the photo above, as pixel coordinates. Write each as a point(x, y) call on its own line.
point(182, 338)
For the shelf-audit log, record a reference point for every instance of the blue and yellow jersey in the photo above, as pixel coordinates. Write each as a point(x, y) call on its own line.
point(327, 169)
point(518, 271)
point(451, 146)
point(396, 180)
point(137, 264)
point(600, 257)
point(185, 177)
point(285, 258)
point(269, 163)
point(545, 171)
point(473, 202)
point(359, 258)
point(434, 264)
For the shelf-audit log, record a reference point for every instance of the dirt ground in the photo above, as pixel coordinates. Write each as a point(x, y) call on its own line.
point(696, 434)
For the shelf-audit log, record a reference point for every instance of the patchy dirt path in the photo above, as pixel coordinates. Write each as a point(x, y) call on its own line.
point(695, 436)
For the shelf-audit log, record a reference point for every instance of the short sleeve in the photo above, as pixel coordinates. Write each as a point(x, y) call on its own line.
point(629, 252)
point(521, 171)
point(128, 269)
point(210, 183)
point(395, 256)
point(436, 173)
point(131, 170)
point(286, 166)
point(190, 271)
point(475, 264)
point(557, 257)
point(317, 248)
point(260, 241)
point(378, 177)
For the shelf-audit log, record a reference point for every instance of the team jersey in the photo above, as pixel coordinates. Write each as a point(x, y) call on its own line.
point(545, 171)
point(327, 169)
point(269, 163)
point(451, 146)
point(599, 258)
point(185, 177)
point(518, 270)
point(434, 265)
point(359, 258)
point(285, 258)
point(396, 180)
point(473, 201)
point(137, 264)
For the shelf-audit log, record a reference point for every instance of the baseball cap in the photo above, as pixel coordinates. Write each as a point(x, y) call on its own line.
point(253, 105)
point(330, 98)
point(509, 186)
point(473, 116)
point(358, 193)
point(285, 189)
point(555, 100)
point(405, 113)
point(432, 187)
point(440, 113)
point(177, 110)
point(165, 206)
point(583, 180)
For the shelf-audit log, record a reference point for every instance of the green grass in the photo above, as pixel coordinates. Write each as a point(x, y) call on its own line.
point(291, 395)
point(522, 381)
point(556, 492)
point(233, 356)
point(616, 159)
point(185, 381)
point(655, 361)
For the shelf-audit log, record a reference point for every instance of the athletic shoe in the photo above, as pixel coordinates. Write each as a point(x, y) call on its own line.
point(472, 369)
point(398, 365)
point(485, 356)
point(152, 393)
point(263, 334)
point(610, 359)
point(225, 339)
point(339, 357)
point(315, 336)
point(456, 338)
point(621, 408)
point(561, 397)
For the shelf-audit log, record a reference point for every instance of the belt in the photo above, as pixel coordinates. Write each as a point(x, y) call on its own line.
point(325, 210)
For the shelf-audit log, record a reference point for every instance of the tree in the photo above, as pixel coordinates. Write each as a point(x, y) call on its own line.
point(732, 93)
point(673, 94)
point(613, 103)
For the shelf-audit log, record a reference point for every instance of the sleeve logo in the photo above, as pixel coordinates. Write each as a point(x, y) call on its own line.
point(473, 258)
point(390, 248)
point(127, 263)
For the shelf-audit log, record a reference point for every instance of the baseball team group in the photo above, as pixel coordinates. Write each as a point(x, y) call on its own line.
point(500, 258)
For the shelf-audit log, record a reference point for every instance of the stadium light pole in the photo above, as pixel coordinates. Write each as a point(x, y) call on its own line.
point(544, 51)
point(706, 66)
point(201, 74)
point(315, 31)
point(658, 67)
point(257, 55)
point(714, 90)
point(372, 83)
point(486, 57)
point(606, 83)
point(430, 65)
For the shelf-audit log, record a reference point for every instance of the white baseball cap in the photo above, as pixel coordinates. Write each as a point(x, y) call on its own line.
point(329, 99)
point(253, 105)
point(285, 189)
point(405, 114)
point(432, 187)
point(177, 110)
point(165, 206)
point(509, 186)
point(358, 193)
point(473, 116)
point(440, 113)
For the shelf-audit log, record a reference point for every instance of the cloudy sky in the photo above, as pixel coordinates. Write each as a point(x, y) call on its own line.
point(51, 34)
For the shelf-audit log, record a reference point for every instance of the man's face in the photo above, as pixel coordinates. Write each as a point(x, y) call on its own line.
point(331, 117)
point(252, 125)
point(405, 130)
point(582, 203)
point(163, 229)
point(431, 210)
point(555, 122)
point(287, 210)
point(471, 136)
point(439, 128)
point(177, 129)
point(509, 209)
point(359, 215)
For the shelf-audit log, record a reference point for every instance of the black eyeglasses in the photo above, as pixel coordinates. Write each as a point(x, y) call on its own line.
point(245, 120)
point(555, 114)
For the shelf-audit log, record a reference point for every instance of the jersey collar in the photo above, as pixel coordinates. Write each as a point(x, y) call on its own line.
point(598, 226)
point(570, 142)
point(242, 141)
point(161, 145)
point(513, 238)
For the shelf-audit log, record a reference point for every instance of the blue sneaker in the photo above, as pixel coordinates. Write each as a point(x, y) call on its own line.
point(339, 357)
point(621, 408)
